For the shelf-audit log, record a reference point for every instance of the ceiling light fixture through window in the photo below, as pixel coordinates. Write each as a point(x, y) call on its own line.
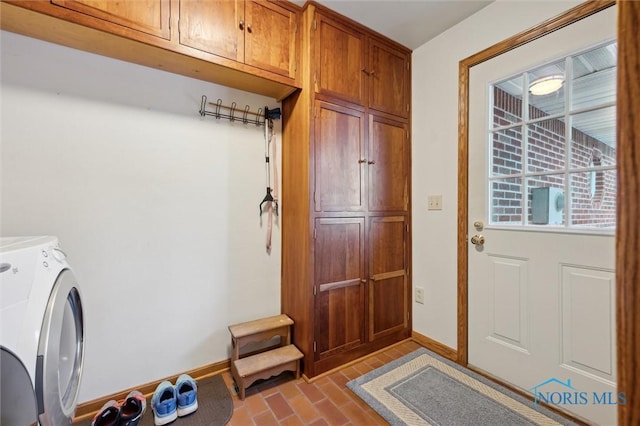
point(546, 85)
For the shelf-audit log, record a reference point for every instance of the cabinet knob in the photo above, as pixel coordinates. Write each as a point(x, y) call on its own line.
point(364, 70)
point(371, 162)
point(249, 30)
point(363, 160)
point(241, 25)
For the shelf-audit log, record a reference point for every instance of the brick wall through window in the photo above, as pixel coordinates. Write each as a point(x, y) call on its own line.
point(593, 194)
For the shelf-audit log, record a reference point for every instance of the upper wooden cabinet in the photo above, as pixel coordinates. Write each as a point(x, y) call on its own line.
point(246, 44)
point(339, 59)
point(147, 16)
point(270, 41)
point(258, 33)
point(213, 27)
point(388, 77)
point(359, 67)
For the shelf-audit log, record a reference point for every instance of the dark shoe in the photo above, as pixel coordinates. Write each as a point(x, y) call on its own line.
point(132, 409)
point(108, 415)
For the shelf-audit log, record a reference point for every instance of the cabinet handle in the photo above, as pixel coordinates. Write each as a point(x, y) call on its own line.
point(364, 160)
point(241, 25)
point(364, 70)
point(371, 162)
point(249, 30)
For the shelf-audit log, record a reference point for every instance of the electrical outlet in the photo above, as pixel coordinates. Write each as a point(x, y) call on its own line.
point(434, 202)
point(419, 295)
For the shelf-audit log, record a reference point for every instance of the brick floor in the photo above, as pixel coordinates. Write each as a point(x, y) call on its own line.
point(284, 400)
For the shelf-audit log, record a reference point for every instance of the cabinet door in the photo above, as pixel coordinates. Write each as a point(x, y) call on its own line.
point(147, 16)
point(339, 60)
point(215, 27)
point(388, 165)
point(270, 37)
point(389, 79)
point(339, 281)
point(388, 292)
point(339, 158)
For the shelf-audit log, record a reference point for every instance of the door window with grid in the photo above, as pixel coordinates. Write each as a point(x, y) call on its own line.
point(552, 140)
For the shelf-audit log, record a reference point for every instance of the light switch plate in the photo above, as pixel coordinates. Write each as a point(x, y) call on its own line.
point(434, 202)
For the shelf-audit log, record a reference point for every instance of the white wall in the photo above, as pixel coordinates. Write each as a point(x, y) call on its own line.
point(435, 152)
point(156, 207)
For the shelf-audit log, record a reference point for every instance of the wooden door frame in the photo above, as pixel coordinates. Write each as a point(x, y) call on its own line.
point(628, 200)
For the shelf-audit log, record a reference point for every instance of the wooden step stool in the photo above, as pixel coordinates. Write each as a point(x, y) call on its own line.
point(246, 369)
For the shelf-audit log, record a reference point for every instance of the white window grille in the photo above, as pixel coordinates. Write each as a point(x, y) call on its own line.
point(553, 156)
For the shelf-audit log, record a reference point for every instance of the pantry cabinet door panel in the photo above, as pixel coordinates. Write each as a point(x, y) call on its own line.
point(339, 158)
point(388, 165)
point(388, 283)
point(339, 285)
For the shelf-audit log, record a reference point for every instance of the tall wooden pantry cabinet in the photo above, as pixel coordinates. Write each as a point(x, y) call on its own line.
point(346, 223)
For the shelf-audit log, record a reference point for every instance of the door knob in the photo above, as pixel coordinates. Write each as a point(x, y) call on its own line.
point(477, 240)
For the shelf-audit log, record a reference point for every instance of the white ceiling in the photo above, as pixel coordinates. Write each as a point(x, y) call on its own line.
point(409, 22)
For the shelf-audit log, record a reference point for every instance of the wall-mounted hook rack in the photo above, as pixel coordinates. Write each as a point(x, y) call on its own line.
point(229, 112)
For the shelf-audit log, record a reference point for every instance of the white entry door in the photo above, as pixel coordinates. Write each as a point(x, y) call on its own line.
point(542, 210)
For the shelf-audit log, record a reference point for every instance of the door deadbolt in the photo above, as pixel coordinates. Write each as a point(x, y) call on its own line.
point(477, 240)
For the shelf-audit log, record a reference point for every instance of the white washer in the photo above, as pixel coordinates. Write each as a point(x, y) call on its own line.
point(41, 333)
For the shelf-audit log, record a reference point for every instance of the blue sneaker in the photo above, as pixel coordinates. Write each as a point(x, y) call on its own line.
point(187, 395)
point(163, 404)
